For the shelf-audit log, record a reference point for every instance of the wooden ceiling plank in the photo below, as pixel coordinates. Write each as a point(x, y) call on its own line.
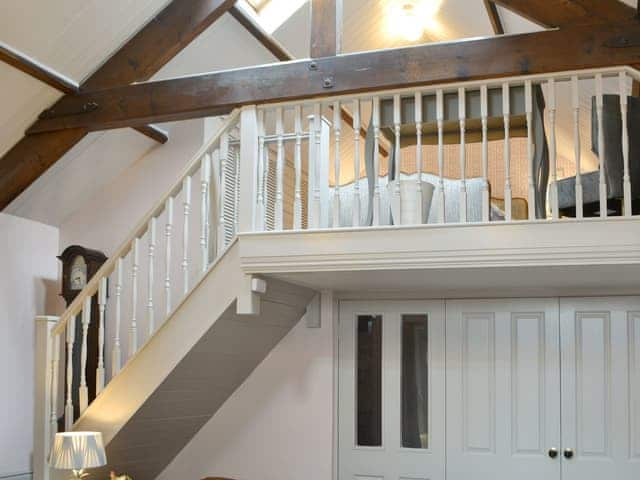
point(326, 28)
point(37, 70)
point(494, 17)
point(218, 93)
point(139, 58)
point(569, 12)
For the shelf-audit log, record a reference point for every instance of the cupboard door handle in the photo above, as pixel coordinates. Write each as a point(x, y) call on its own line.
point(553, 453)
point(568, 453)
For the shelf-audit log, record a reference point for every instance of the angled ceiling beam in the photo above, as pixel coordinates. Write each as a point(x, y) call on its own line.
point(153, 132)
point(260, 34)
point(37, 70)
point(326, 28)
point(569, 12)
point(217, 93)
point(139, 58)
point(494, 17)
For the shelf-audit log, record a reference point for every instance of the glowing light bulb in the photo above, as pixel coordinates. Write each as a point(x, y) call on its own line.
point(410, 18)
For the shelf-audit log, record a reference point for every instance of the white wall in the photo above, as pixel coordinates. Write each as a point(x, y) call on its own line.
point(28, 286)
point(278, 424)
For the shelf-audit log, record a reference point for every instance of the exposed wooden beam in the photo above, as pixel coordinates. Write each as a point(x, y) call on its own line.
point(326, 28)
point(140, 57)
point(265, 39)
point(494, 17)
point(569, 12)
point(153, 132)
point(218, 93)
point(37, 70)
point(281, 53)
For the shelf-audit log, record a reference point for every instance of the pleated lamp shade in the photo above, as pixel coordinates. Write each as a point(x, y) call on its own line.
point(77, 451)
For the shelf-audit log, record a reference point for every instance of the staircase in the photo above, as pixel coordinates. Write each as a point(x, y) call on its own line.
point(183, 324)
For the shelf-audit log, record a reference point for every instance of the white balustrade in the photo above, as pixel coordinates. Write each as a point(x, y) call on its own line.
point(626, 180)
point(419, 169)
point(279, 201)
point(337, 129)
point(531, 192)
point(356, 164)
point(484, 119)
point(168, 231)
point(68, 408)
point(376, 161)
point(602, 185)
point(116, 354)
point(261, 210)
point(205, 178)
point(394, 196)
point(186, 203)
point(297, 166)
point(83, 391)
point(133, 329)
point(314, 214)
point(151, 324)
point(102, 305)
point(506, 114)
point(553, 169)
point(462, 117)
point(575, 100)
point(440, 122)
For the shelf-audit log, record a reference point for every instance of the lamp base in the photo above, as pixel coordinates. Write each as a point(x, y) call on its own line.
point(78, 474)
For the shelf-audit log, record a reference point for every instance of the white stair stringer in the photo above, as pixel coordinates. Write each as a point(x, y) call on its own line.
point(187, 370)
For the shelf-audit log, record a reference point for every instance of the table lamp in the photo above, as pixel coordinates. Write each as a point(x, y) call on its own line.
point(76, 451)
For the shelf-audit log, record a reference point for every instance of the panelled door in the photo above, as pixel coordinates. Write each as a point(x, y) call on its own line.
point(391, 391)
point(535, 389)
point(600, 388)
point(503, 389)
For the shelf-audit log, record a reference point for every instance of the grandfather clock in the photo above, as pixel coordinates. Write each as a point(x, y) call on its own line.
point(79, 264)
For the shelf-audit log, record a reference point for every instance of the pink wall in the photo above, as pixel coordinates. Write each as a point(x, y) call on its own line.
point(28, 287)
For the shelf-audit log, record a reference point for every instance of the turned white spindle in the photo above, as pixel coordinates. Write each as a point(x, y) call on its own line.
point(484, 118)
point(168, 231)
point(55, 366)
point(68, 408)
point(376, 161)
point(150, 275)
point(506, 115)
point(394, 196)
point(261, 202)
point(83, 390)
point(575, 97)
point(528, 106)
point(133, 330)
point(337, 130)
point(186, 204)
point(116, 361)
point(317, 161)
point(553, 156)
point(440, 121)
point(418, 120)
point(297, 200)
point(279, 203)
point(601, 146)
point(205, 178)
point(236, 193)
point(222, 218)
point(626, 179)
point(102, 304)
point(462, 118)
point(356, 163)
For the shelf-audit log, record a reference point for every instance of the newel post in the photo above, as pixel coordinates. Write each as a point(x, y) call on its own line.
point(248, 169)
point(47, 355)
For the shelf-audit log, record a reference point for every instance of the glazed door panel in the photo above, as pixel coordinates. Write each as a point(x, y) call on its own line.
point(391, 391)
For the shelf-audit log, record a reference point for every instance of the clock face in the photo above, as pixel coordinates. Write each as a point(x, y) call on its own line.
point(78, 278)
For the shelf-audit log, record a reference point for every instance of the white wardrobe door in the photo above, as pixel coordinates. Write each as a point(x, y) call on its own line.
point(503, 389)
point(601, 388)
point(382, 452)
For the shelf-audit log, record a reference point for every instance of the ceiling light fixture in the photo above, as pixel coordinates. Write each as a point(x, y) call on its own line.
point(409, 18)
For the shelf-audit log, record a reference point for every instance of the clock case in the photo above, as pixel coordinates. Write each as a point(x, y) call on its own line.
point(94, 259)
